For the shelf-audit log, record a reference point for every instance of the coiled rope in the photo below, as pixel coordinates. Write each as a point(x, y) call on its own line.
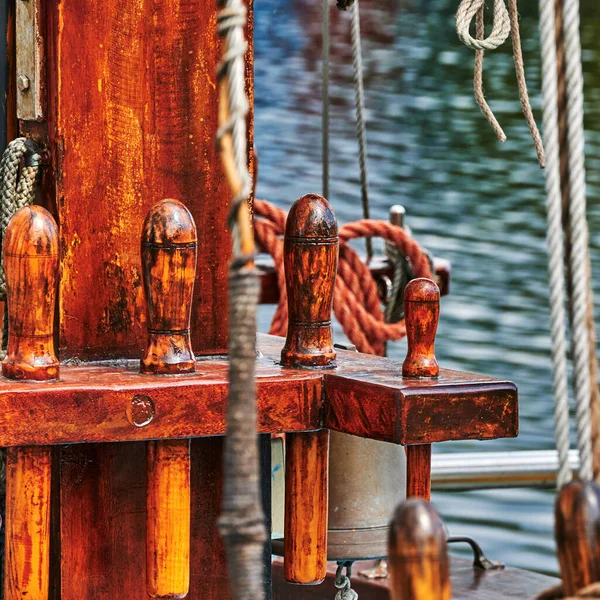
point(242, 523)
point(505, 24)
point(19, 171)
point(356, 302)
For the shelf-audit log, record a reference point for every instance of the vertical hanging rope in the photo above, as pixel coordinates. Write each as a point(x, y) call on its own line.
point(579, 234)
point(554, 241)
point(242, 521)
point(359, 102)
point(325, 96)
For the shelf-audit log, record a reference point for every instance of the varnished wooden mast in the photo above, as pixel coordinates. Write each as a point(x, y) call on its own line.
point(169, 264)
point(30, 254)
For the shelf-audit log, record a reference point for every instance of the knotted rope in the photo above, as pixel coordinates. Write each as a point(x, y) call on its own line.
point(343, 584)
point(505, 24)
point(242, 521)
point(356, 303)
point(19, 170)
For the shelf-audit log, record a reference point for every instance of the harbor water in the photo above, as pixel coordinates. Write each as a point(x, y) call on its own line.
point(468, 198)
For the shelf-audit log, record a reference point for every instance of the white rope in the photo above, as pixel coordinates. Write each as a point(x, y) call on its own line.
point(325, 96)
point(554, 240)
point(359, 103)
point(579, 234)
point(500, 28)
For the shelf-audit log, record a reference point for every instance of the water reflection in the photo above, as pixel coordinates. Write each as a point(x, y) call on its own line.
point(470, 199)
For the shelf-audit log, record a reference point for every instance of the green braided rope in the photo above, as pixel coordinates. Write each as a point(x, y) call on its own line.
point(19, 169)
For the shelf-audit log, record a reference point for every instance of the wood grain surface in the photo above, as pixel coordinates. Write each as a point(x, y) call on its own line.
point(310, 254)
point(577, 532)
point(418, 561)
point(306, 489)
point(27, 555)
point(133, 116)
point(30, 256)
point(169, 253)
point(168, 519)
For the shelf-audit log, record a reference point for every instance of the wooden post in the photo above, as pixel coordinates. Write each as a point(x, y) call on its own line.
point(421, 311)
point(310, 254)
point(417, 554)
point(577, 532)
point(30, 255)
point(169, 264)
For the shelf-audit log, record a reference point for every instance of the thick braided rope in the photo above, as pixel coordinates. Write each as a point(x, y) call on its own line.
point(15, 191)
point(356, 302)
point(579, 234)
point(555, 241)
point(359, 104)
point(242, 521)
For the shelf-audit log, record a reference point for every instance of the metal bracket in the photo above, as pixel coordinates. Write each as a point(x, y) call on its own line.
point(30, 60)
point(479, 558)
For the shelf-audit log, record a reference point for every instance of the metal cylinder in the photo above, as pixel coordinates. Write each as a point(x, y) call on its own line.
point(367, 479)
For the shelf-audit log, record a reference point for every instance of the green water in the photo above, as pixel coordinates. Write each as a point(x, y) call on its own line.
point(469, 199)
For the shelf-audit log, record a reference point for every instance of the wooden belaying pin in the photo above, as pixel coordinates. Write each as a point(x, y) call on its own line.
point(310, 256)
point(577, 533)
point(169, 247)
point(418, 554)
point(30, 254)
point(421, 311)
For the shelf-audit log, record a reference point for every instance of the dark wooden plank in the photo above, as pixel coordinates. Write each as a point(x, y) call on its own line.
point(468, 583)
point(208, 564)
point(103, 522)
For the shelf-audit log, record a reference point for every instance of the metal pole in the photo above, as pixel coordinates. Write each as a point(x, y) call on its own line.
point(487, 470)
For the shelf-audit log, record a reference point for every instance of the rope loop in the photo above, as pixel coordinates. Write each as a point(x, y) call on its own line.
point(505, 24)
point(467, 10)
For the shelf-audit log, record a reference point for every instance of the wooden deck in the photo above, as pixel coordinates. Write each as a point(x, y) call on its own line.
point(468, 583)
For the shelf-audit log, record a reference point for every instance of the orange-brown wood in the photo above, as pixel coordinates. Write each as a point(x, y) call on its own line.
point(421, 311)
point(168, 265)
point(27, 560)
point(305, 545)
point(363, 396)
point(418, 471)
point(577, 532)
point(169, 245)
point(133, 116)
point(168, 519)
point(310, 255)
point(30, 255)
point(417, 554)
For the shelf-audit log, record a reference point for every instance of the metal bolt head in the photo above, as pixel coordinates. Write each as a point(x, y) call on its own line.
point(23, 83)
